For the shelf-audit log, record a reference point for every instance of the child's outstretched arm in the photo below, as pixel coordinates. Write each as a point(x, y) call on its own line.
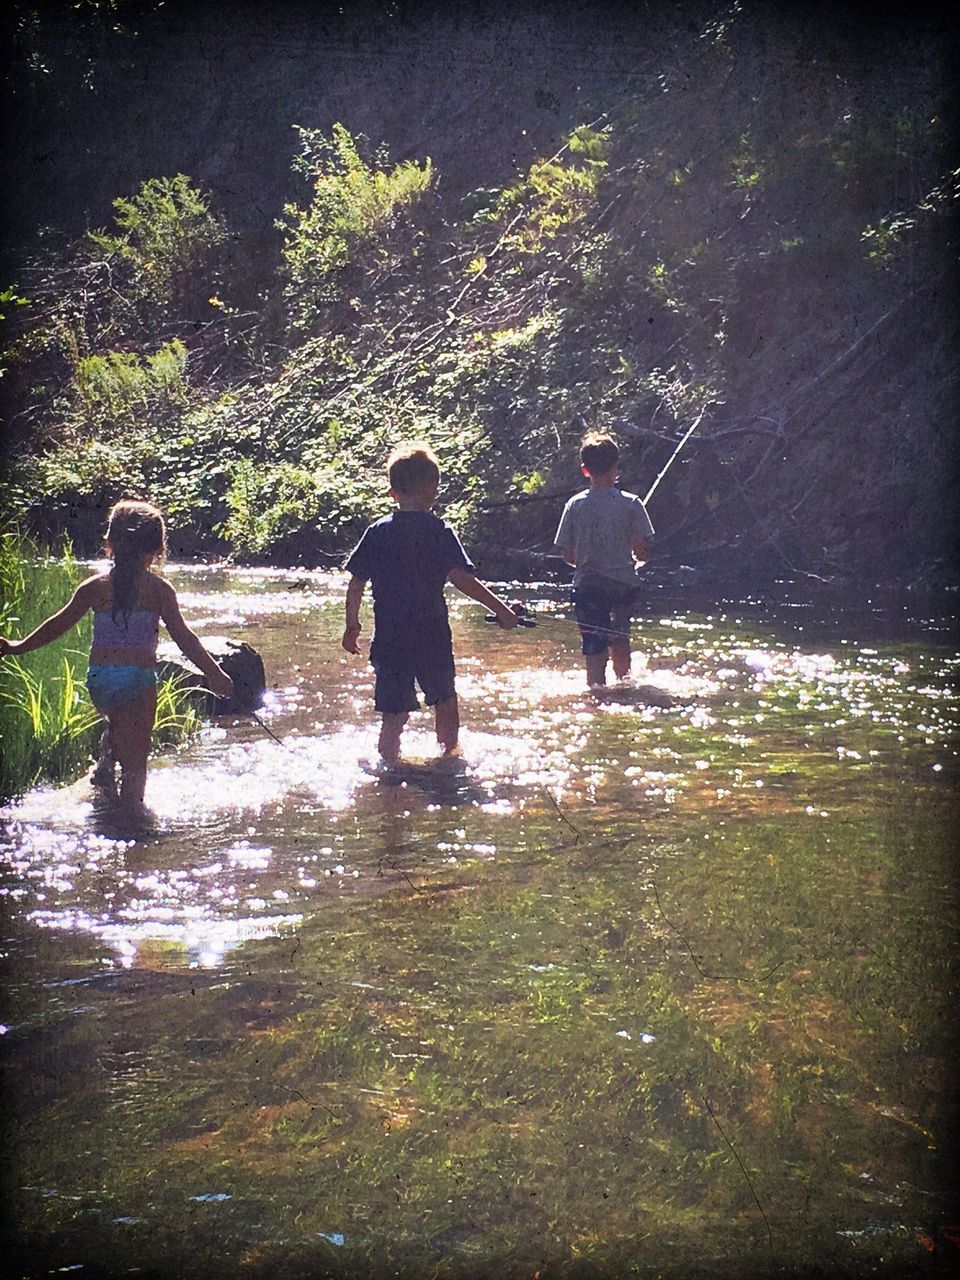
point(351, 631)
point(472, 587)
point(57, 625)
point(189, 643)
point(641, 550)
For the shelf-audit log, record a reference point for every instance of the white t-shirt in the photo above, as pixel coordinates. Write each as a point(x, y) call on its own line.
point(602, 525)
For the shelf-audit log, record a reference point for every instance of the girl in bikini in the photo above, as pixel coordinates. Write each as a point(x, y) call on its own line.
point(128, 604)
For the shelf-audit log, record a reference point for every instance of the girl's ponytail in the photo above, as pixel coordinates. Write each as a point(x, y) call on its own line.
point(134, 529)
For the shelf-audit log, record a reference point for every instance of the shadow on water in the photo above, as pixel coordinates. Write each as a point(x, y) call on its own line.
point(659, 981)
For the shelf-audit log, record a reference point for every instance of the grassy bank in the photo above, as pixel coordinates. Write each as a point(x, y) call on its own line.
point(48, 727)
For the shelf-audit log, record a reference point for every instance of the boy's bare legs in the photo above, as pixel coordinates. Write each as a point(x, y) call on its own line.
point(597, 668)
point(448, 725)
point(391, 728)
point(620, 653)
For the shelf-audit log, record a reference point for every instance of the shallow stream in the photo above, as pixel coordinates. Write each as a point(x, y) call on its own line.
point(651, 990)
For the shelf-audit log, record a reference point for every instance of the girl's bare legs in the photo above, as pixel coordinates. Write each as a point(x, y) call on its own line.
point(447, 715)
point(390, 730)
point(131, 728)
point(103, 772)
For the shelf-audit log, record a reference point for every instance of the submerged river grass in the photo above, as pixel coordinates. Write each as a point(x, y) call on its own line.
point(641, 990)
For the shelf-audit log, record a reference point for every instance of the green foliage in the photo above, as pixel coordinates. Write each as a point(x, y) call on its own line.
point(102, 348)
point(46, 721)
point(48, 726)
point(82, 475)
point(746, 171)
point(273, 505)
point(628, 277)
point(120, 389)
point(555, 195)
point(884, 238)
point(165, 232)
point(10, 298)
point(356, 200)
point(531, 483)
point(176, 716)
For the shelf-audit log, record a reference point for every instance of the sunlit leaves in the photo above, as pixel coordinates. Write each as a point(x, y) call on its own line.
point(164, 232)
point(355, 201)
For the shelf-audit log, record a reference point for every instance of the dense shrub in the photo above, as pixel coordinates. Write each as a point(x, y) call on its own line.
point(356, 202)
point(165, 233)
point(666, 264)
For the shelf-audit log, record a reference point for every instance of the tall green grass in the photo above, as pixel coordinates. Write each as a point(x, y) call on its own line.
point(48, 727)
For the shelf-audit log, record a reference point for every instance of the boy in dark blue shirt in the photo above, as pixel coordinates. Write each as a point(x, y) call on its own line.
point(408, 557)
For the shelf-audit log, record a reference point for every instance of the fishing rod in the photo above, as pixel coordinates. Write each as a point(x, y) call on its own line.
point(526, 619)
point(673, 457)
point(266, 728)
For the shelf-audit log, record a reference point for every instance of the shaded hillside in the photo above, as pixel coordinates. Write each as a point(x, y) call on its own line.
point(636, 220)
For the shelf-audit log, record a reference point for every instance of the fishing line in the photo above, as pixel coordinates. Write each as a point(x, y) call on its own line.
point(266, 728)
point(529, 620)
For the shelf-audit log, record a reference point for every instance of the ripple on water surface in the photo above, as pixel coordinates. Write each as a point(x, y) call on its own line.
point(617, 917)
point(244, 827)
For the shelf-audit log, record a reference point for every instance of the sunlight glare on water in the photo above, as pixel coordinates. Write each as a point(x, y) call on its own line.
point(701, 887)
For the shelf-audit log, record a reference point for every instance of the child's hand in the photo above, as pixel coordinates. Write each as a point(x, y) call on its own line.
point(8, 646)
point(507, 617)
point(220, 684)
point(351, 639)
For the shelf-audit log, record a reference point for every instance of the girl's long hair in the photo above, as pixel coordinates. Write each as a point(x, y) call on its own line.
point(134, 529)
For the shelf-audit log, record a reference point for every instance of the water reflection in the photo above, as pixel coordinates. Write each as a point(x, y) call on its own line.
point(144, 937)
point(237, 843)
point(483, 1006)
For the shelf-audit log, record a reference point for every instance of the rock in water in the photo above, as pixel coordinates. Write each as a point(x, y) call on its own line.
point(636, 695)
point(243, 665)
point(653, 696)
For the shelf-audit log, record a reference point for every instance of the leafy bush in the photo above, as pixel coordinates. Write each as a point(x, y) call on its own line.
point(355, 203)
point(284, 506)
point(122, 391)
point(555, 195)
point(82, 349)
point(166, 232)
point(80, 479)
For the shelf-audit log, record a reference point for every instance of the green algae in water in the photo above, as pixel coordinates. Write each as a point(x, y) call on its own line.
point(669, 993)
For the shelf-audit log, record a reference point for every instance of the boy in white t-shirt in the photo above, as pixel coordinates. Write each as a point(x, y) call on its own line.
point(604, 534)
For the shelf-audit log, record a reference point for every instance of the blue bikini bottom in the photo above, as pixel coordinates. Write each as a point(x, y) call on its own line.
point(112, 685)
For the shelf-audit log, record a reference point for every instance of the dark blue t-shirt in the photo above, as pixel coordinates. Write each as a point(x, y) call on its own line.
point(406, 557)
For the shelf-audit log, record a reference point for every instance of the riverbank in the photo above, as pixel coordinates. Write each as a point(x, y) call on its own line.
point(649, 255)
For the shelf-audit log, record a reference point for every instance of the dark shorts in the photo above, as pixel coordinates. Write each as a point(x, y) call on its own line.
point(603, 614)
point(394, 692)
point(398, 668)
